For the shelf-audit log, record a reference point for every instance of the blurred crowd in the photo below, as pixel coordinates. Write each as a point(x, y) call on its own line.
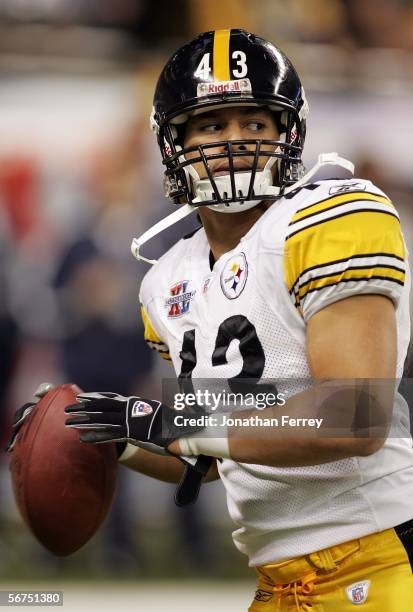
point(361, 23)
point(80, 176)
point(352, 23)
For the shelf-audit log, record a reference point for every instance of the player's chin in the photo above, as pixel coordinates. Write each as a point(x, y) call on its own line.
point(227, 172)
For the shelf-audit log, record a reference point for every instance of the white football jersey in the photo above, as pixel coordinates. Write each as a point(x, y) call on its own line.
point(248, 315)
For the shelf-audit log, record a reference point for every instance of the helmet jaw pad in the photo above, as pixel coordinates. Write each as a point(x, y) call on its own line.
point(230, 188)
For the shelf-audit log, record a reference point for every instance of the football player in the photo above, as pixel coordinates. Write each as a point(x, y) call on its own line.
point(292, 277)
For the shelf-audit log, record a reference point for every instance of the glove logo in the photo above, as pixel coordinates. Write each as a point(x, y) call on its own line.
point(141, 409)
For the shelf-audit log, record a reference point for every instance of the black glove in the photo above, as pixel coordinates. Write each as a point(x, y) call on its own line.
point(108, 417)
point(22, 413)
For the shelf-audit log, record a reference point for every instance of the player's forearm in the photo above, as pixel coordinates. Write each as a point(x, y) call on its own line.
point(166, 469)
point(324, 423)
point(296, 452)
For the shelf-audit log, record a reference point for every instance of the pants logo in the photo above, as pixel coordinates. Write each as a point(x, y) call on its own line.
point(358, 591)
point(261, 595)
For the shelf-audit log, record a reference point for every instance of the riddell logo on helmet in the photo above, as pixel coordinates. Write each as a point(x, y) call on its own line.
point(239, 86)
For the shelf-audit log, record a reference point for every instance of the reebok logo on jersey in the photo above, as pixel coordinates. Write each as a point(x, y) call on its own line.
point(358, 591)
point(141, 409)
point(234, 276)
point(347, 187)
point(206, 283)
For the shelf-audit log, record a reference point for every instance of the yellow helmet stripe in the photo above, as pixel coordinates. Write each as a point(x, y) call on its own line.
point(221, 55)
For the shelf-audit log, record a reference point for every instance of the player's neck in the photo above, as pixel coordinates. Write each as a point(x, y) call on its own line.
point(225, 230)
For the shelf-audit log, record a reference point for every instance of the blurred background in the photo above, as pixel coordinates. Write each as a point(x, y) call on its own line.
point(80, 175)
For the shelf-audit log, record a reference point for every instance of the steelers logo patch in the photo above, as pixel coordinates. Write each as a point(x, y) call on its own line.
point(234, 276)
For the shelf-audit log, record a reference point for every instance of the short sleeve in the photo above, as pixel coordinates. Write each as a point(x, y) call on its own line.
point(152, 337)
point(342, 246)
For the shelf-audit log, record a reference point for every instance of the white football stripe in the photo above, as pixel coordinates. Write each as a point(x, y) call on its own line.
point(314, 301)
point(162, 348)
point(340, 210)
point(376, 260)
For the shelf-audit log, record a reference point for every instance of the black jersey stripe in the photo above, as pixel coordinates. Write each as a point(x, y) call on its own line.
point(345, 214)
point(337, 261)
point(350, 193)
point(156, 342)
point(349, 280)
point(320, 212)
point(321, 276)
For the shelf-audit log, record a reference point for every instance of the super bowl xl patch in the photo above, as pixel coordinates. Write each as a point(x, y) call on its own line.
point(180, 299)
point(358, 591)
point(234, 276)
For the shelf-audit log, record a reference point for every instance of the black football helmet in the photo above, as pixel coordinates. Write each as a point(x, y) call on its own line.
point(229, 68)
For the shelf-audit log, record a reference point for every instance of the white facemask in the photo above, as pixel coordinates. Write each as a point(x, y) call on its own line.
point(203, 190)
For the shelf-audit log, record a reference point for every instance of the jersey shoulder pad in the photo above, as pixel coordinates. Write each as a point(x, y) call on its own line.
point(334, 187)
point(343, 239)
point(152, 282)
point(152, 327)
point(152, 287)
point(152, 337)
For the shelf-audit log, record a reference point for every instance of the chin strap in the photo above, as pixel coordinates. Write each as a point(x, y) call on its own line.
point(328, 166)
point(189, 486)
point(242, 180)
point(263, 185)
point(156, 229)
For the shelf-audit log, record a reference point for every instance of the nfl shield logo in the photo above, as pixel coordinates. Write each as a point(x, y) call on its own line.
point(141, 409)
point(357, 592)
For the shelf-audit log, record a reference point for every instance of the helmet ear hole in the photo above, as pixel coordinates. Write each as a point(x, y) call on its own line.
point(179, 131)
point(278, 118)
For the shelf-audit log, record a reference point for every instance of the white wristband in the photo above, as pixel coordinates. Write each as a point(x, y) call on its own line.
point(207, 445)
point(130, 451)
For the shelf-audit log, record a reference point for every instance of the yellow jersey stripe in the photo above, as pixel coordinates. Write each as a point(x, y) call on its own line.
point(152, 338)
point(150, 333)
point(330, 203)
point(298, 302)
point(362, 233)
point(221, 55)
point(319, 267)
point(357, 211)
point(352, 274)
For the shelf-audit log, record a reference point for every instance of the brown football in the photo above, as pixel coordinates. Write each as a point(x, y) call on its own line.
point(63, 487)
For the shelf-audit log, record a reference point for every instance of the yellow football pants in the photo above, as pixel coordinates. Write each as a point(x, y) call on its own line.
point(373, 572)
